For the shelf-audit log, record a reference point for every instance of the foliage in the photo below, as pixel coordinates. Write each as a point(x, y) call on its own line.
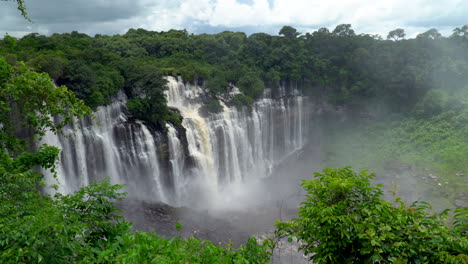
point(27, 102)
point(240, 101)
point(251, 85)
point(344, 220)
point(396, 34)
point(216, 84)
point(213, 106)
point(289, 32)
point(22, 8)
point(142, 247)
point(61, 229)
point(32, 226)
point(146, 86)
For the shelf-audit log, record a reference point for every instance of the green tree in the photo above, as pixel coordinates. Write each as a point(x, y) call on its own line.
point(52, 65)
point(80, 78)
point(289, 32)
point(343, 30)
point(9, 42)
point(251, 85)
point(27, 102)
point(145, 86)
point(213, 105)
point(430, 34)
point(32, 227)
point(343, 219)
point(460, 32)
point(396, 34)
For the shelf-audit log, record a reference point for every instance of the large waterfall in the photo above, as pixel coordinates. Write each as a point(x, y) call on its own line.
point(210, 152)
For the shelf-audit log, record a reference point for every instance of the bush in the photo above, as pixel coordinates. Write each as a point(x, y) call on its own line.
point(251, 85)
point(213, 106)
point(432, 104)
point(143, 247)
point(216, 84)
point(240, 101)
point(344, 220)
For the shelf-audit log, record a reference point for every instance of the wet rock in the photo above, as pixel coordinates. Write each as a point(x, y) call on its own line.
point(162, 218)
point(461, 203)
point(461, 200)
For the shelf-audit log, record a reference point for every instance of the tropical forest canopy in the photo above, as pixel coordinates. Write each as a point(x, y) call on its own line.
point(339, 66)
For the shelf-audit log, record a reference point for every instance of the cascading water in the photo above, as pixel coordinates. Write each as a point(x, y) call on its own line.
point(225, 148)
point(109, 146)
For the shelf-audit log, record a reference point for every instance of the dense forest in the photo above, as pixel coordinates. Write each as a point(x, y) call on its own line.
point(410, 95)
point(338, 66)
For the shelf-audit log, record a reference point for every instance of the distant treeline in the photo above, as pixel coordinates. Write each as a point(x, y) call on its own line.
point(338, 66)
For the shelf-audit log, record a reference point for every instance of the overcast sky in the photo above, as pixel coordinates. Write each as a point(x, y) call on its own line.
point(250, 16)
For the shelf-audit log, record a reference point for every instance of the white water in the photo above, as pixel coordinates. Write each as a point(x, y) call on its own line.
point(218, 151)
point(109, 146)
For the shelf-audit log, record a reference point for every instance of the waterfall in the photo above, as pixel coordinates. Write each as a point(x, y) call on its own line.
point(237, 144)
point(208, 154)
point(109, 146)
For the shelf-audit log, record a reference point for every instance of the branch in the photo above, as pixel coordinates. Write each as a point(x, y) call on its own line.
point(21, 7)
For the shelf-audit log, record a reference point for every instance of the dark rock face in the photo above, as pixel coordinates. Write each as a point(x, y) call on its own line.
point(162, 219)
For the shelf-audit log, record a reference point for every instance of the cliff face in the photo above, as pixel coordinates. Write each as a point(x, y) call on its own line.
point(185, 164)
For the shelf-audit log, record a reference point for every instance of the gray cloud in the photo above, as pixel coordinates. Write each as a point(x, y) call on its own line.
point(456, 15)
point(73, 11)
point(269, 29)
point(89, 16)
point(250, 16)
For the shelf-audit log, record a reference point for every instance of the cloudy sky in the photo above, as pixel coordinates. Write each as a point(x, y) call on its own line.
point(212, 16)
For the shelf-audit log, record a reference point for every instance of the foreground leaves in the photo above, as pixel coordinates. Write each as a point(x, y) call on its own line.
point(344, 220)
